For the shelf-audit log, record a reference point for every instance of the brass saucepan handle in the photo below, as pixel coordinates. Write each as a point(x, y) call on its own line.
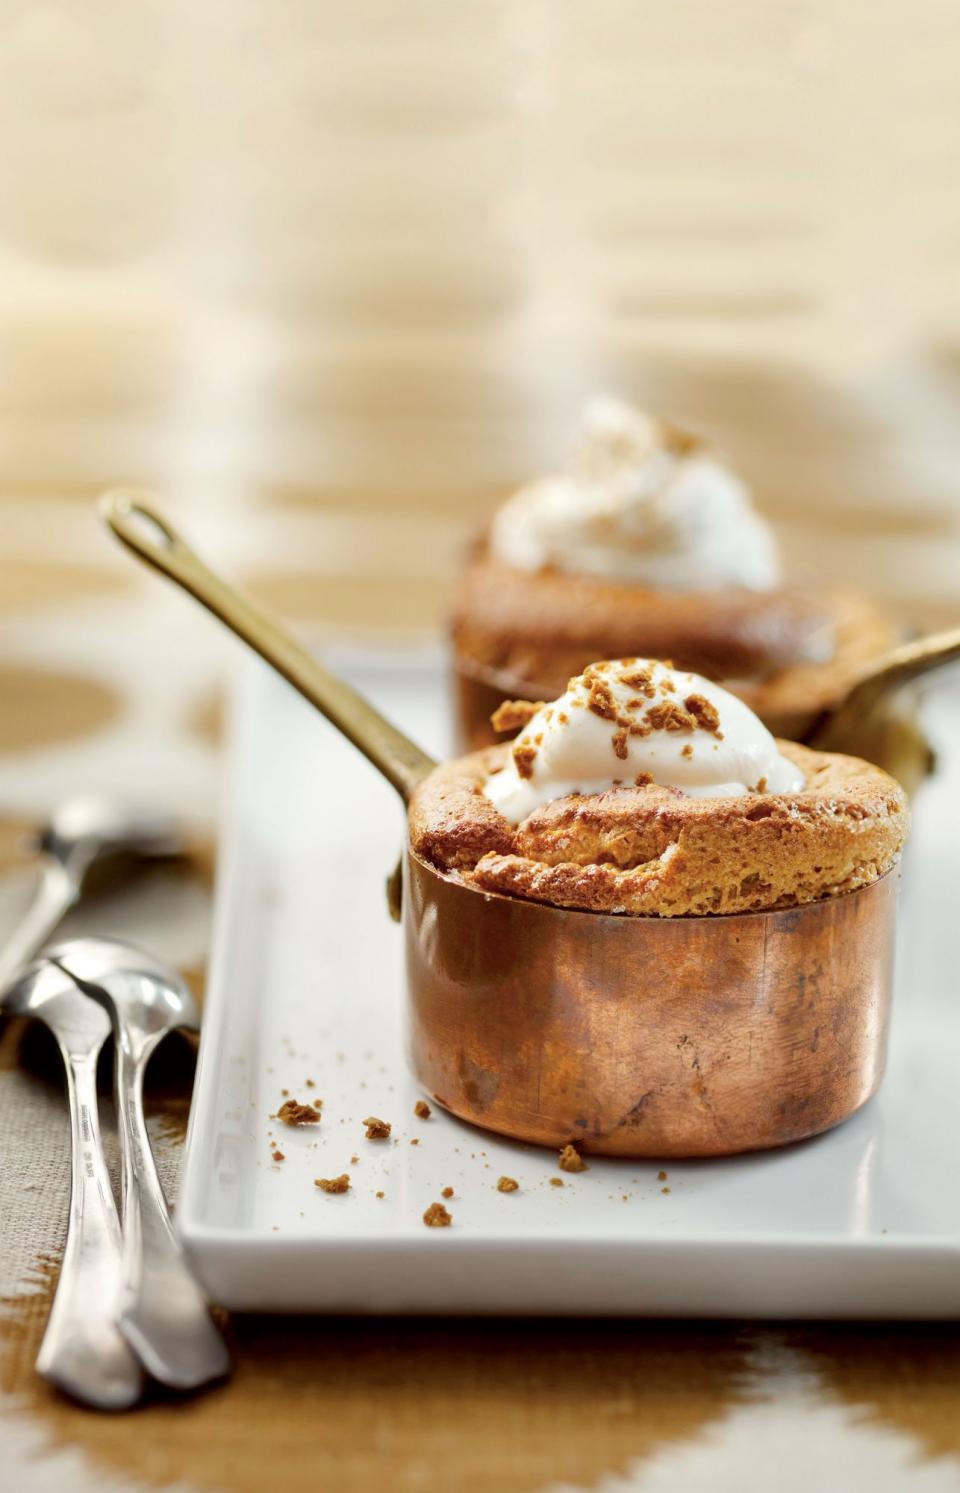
point(153, 539)
point(882, 679)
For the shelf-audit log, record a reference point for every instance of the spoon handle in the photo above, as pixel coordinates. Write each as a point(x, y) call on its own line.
point(163, 1313)
point(82, 1351)
point(888, 674)
point(55, 895)
point(153, 539)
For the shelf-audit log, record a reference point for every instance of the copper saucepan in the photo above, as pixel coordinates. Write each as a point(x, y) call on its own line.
point(629, 1036)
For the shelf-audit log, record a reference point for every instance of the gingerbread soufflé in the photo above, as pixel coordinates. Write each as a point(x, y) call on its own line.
point(649, 544)
point(647, 790)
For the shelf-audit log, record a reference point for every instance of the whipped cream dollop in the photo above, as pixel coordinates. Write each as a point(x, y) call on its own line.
point(641, 502)
point(637, 721)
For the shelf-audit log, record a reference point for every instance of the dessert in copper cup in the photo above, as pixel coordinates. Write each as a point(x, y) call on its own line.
point(648, 544)
point(683, 940)
point(643, 928)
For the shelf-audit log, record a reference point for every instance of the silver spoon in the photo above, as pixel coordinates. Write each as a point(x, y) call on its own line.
point(82, 1350)
point(81, 833)
point(163, 1313)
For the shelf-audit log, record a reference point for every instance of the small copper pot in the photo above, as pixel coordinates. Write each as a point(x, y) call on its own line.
point(631, 1036)
point(637, 1036)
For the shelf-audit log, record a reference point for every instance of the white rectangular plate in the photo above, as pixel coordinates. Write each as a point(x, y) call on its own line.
point(306, 982)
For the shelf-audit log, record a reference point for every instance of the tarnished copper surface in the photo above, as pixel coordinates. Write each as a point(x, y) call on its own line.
point(644, 1036)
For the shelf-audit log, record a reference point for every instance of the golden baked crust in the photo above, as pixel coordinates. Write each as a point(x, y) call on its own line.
point(788, 655)
point(652, 851)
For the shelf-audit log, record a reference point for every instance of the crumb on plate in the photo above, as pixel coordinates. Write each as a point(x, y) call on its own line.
point(333, 1184)
point(292, 1112)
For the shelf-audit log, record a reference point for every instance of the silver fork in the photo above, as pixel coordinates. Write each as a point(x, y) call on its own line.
point(83, 1350)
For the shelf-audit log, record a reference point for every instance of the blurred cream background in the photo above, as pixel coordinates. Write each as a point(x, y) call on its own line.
point(334, 275)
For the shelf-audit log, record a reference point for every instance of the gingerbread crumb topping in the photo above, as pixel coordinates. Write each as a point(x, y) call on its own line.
point(377, 1129)
point(570, 1160)
point(422, 1110)
point(292, 1112)
point(447, 1192)
point(278, 1156)
point(333, 1184)
point(507, 1184)
point(669, 716)
point(704, 714)
point(556, 1181)
point(524, 756)
point(437, 1217)
point(640, 680)
point(632, 719)
point(599, 695)
point(513, 715)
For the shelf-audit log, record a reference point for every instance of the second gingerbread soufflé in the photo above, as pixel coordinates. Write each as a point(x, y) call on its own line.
point(647, 790)
point(649, 544)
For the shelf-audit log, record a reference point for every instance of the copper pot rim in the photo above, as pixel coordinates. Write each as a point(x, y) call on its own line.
point(627, 919)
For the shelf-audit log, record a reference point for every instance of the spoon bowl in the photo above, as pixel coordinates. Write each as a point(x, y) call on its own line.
point(45, 991)
point(130, 983)
point(91, 827)
point(83, 834)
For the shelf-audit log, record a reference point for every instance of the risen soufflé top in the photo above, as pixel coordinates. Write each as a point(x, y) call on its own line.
point(647, 791)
